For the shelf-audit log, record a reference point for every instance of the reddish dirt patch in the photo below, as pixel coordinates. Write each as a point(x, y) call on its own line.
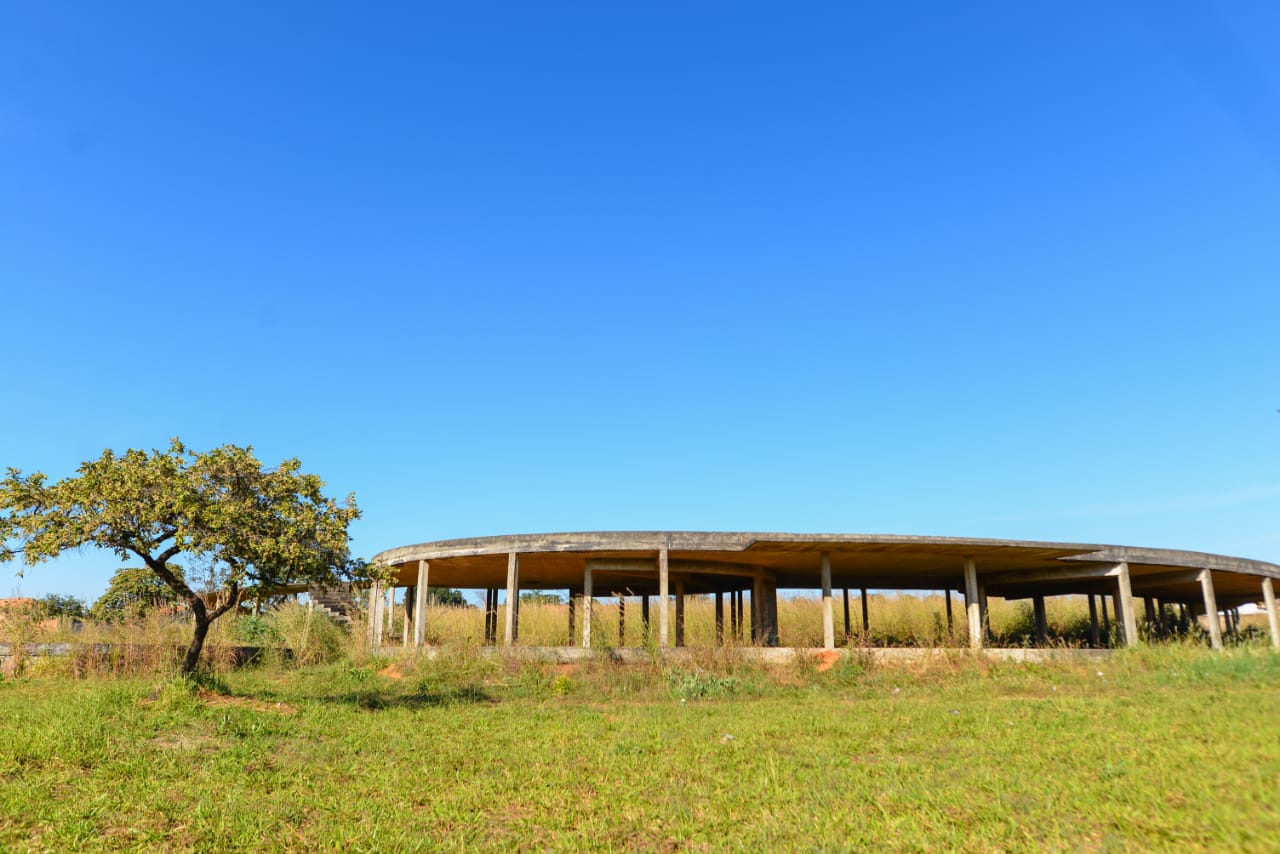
point(391, 671)
point(826, 660)
point(211, 699)
point(567, 669)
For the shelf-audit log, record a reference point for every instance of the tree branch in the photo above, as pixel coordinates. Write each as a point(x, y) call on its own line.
point(232, 601)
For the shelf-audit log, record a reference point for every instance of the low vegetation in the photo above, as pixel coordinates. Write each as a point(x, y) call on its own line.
point(327, 746)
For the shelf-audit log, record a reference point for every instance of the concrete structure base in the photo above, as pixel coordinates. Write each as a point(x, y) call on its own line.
point(759, 654)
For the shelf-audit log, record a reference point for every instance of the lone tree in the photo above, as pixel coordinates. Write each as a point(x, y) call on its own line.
point(245, 524)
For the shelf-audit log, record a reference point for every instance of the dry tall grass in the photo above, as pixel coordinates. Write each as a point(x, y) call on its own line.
point(893, 620)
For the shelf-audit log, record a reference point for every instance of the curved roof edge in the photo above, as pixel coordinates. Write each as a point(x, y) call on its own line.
point(729, 541)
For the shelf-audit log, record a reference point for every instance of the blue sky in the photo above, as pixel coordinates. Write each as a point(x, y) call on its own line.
point(990, 269)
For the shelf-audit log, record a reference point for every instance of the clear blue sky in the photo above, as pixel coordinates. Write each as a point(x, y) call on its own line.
point(982, 269)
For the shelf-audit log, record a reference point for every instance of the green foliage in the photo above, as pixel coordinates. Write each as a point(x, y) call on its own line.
point(309, 634)
point(695, 683)
point(241, 523)
point(540, 597)
point(135, 592)
point(447, 597)
point(252, 630)
point(55, 605)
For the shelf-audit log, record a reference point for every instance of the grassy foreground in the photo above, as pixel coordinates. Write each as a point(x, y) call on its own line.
point(1155, 749)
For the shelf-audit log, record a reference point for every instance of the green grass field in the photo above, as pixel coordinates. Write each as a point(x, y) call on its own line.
point(1155, 749)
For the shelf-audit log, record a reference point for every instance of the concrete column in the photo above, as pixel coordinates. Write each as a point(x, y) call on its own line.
point(512, 628)
point(757, 616)
point(622, 620)
point(719, 618)
point(420, 605)
point(663, 585)
point(1106, 621)
point(1211, 608)
point(847, 625)
point(950, 619)
point(644, 617)
point(866, 620)
point(769, 606)
point(1042, 624)
point(1149, 611)
point(1094, 639)
point(679, 613)
point(740, 611)
point(1269, 599)
point(573, 604)
point(375, 615)
point(391, 609)
point(490, 615)
point(586, 606)
point(1124, 604)
point(828, 619)
point(972, 603)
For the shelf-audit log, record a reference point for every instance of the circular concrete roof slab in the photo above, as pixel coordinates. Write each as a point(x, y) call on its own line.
point(626, 562)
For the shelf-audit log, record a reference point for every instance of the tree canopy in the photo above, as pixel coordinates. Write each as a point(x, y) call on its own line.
point(134, 592)
point(61, 605)
point(241, 524)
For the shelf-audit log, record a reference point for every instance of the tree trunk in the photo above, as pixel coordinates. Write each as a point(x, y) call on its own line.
point(197, 643)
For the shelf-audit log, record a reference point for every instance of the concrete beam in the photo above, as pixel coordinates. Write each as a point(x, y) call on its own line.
point(1068, 572)
point(828, 617)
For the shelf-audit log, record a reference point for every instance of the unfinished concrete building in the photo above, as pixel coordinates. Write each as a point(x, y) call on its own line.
point(743, 572)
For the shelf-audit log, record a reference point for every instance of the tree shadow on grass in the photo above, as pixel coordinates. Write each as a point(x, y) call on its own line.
point(375, 700)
